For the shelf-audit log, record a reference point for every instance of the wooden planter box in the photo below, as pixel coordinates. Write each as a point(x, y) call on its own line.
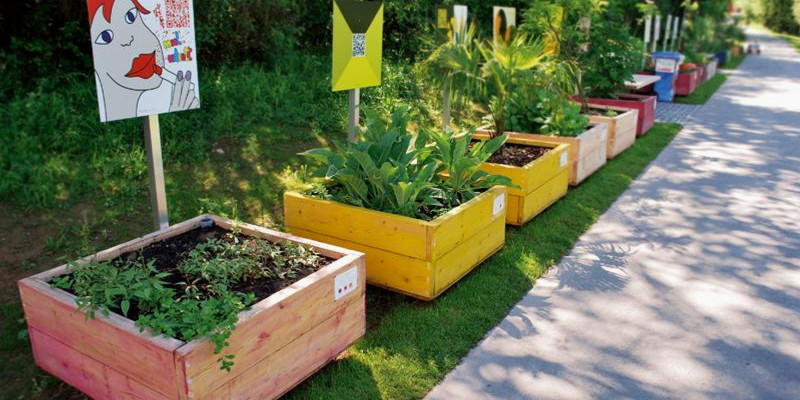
point(686, 83)
point(279, 342)
point(621, 129)
point(542, 182)
point(412, 256)
point(645, 105)
point(711, 69)
point(587, 151)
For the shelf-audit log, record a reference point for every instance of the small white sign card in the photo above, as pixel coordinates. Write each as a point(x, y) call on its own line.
point(145, 57)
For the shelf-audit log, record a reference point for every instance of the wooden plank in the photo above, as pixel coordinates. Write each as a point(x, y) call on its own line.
point(284, 369)
point(451, 267)
point(86, 374)
point(271, 324)
point(548, 167)
point(514, 210)
point(465, 221)
point(396, 234)
point(393, 271)
point(112, 340)
point(589, 165)
point(619, 127)
point(544, 196)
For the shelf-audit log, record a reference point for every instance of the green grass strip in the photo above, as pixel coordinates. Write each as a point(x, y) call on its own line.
point(414, 344)
point(704, 92)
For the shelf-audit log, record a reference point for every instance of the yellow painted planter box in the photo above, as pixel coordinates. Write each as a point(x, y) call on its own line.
point(412, 256)
point(542, 182)
point(621, 129)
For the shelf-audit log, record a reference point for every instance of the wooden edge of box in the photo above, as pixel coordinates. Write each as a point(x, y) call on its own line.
point(399, 218)
point(556, 145)
point(117, 321)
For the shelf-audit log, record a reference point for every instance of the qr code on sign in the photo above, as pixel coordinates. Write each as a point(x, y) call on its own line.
point(359, 45)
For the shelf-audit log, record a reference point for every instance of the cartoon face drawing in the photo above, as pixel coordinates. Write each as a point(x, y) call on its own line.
point(132, 50)
point(129, 61)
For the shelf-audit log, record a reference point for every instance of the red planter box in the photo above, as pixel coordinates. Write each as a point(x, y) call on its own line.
point(687, 83)
point(646, 105)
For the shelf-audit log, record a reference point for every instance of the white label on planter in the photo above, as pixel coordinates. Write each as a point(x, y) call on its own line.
point(345, 283)
point(499, 204)
point(564, 159)
point(665, 65)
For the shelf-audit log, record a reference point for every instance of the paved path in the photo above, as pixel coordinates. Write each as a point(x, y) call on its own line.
point(675, 112)
point(689, 286)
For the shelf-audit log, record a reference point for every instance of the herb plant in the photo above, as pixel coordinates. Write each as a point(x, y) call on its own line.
point(392, 171)
point(198, 299)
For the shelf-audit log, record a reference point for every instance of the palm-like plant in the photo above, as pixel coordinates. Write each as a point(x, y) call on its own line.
point(506, 67)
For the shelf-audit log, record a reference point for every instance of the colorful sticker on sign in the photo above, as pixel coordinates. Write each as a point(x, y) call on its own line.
point(145, 57)
point(357, 44)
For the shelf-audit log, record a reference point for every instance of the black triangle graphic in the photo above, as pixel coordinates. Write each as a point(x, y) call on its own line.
point(359, 14)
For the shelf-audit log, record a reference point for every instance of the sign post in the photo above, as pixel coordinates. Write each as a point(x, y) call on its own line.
point(675, 33)
point(657, 32)
point(353, 114)
point(357, 52)
point(667, 33)
point(149, 70)
point(155, 166)
point(648, 22)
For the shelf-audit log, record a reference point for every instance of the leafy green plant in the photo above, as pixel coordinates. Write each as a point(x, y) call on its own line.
point(612, 57)
point(198, 299)
point(392, 171)
point(547, 113)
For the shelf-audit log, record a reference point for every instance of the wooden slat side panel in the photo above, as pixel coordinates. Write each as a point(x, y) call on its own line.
point(452, 266)
point(393, 271)
point(516, 174)
point(589, 165)
point(283, 370)
point(513, 210)
point(87, 374)
point(469, 221)
point(271, 326)
point(132, 354)
point(546, 195)
point(547, 168)
point(625, 134)
point(385, 231)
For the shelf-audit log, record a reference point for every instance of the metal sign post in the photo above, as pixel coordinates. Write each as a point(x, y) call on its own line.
point(353, 114)
point(656, 32)
point(667, 33)
point(155, 166)
point(675, 33)
point(647, 29)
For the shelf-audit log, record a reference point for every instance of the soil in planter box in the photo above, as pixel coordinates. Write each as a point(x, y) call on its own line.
point(517, 155)
point(167, 255)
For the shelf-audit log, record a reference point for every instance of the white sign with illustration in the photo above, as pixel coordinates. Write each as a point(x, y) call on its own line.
point(145, 57)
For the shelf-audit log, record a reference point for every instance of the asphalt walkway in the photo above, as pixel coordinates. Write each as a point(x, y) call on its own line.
point(689, 286)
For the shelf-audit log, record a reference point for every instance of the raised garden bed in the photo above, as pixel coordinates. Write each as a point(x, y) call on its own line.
point(587, 151)
point(278, 342)
point(412, 256)
point(644, 104)
point(541, 181)
point(621, 128)
point(687, 82)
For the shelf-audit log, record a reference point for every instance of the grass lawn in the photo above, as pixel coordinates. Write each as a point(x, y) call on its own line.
point(704, 92)
point(410, 345)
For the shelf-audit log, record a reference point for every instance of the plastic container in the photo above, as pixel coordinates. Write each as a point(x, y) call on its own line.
point(667, 64)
